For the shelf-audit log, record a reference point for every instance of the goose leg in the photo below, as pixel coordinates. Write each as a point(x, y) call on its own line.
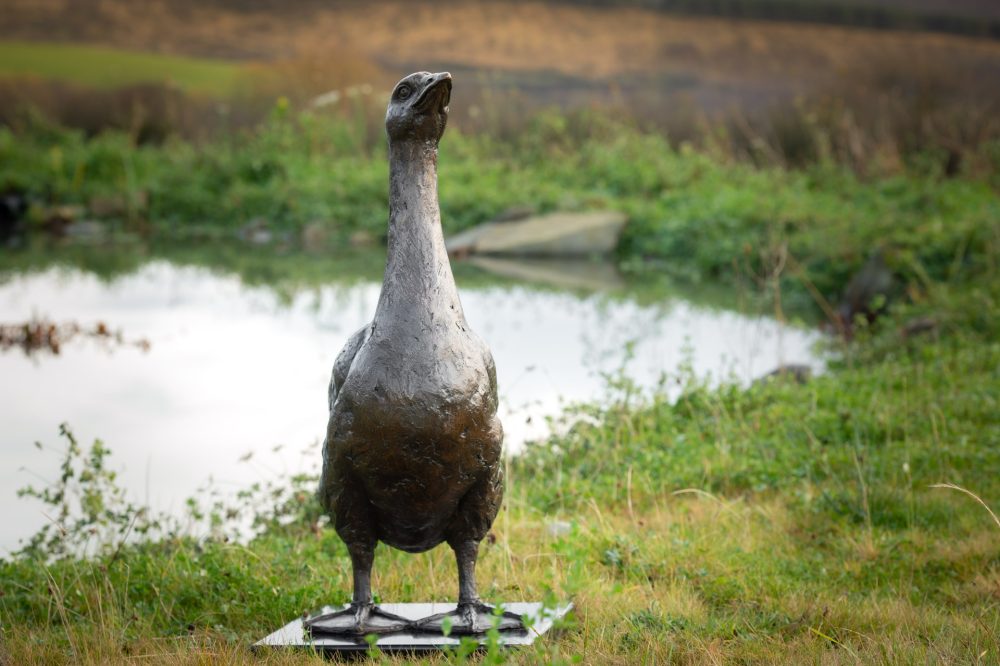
point(362, 617)
point(471, 616)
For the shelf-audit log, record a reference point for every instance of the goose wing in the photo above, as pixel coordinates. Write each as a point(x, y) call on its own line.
point(345, 359)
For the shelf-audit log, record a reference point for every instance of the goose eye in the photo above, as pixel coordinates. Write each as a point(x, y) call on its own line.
point(403, 92)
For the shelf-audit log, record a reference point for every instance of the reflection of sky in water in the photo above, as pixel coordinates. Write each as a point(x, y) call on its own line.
point(232, 370)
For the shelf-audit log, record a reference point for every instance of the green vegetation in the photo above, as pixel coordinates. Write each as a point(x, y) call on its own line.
point(693, 215)
point(103, 67)
point(782, 523)
point(785, 523)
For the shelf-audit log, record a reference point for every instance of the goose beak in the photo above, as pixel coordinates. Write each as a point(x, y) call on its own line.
point(438, 88)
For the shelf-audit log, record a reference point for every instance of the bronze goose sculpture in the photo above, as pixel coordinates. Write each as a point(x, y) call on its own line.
point(412, 455)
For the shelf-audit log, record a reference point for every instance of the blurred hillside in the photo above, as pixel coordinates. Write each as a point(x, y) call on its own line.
point(89, 18)
point(772, 85)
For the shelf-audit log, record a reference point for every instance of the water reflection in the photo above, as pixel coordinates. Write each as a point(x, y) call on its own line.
point(563, 273)
point(236, 369)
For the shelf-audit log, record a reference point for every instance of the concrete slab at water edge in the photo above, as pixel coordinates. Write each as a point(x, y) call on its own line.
point(554, 235)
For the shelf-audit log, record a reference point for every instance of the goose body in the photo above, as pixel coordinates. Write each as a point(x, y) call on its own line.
point(413, 428)
point(412, 455)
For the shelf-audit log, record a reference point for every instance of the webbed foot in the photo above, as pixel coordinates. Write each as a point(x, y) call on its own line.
point(356, 620)
point(471, 619)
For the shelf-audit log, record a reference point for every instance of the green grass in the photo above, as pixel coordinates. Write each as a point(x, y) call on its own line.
point(783, 523)
point(787, 524)
point(104, 67)
point(692, 215)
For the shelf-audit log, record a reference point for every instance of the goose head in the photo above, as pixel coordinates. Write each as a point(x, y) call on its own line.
point(418, 107)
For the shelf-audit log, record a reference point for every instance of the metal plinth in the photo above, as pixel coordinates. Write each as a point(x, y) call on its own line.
point(294, 635)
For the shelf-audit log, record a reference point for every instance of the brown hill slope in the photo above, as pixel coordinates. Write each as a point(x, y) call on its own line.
point(863, 89)
point(550, 49)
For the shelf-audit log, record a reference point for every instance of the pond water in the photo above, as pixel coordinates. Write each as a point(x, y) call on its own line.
point(234, 369)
